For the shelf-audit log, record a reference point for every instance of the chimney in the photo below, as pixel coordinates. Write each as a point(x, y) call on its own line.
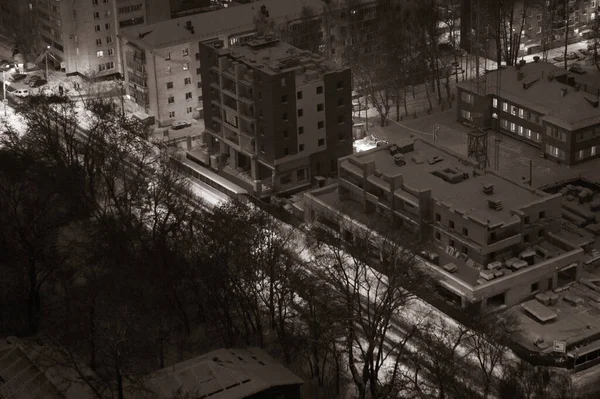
point(563, 91)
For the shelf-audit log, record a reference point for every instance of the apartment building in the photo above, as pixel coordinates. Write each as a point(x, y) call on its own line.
point(493, 241)
point(162, 65)
point(81, 35)
point(540, 104)
point(279, 115)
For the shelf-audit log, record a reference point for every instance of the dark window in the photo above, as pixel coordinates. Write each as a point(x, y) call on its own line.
point(199, 85)
point(301, 148)
point(465, 250)
point(171, 99)
point(284, 99)
point(535, 287)
point(286, 151)
point(341, 136)
point(300, 112)
point(285, 134)
point(438, 236)
point(300, 129)
point(198, 71)
point(438, 217)
point(321, 142)
point(542, 214)
point(340, 119)
point(465, 231)
point(301, 174)
point(260, 95)
point(340, 84)
point(319, 89)
point(451, 243)
point(493, 237)
point(299, 95)
point(526, 220)
point(320, 125)
point(284, 116)
point(541, 233)
point(451, 224)
point(169, 85)
point(492, 255)
point(319, 107)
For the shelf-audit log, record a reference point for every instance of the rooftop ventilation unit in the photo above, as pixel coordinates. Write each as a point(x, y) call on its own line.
point(488, 188)
point(495, 205)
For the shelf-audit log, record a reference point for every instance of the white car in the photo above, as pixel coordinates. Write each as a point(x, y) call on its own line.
point(180, 125)
point(21, 93)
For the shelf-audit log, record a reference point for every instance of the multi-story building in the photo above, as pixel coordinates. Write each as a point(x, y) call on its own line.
point(281, 114)
point(81, 35)
point(494, 241)
point(162, 61)
point(540, 104)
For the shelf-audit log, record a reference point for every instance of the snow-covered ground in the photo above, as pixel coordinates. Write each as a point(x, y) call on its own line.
point(10, 119)
point(365, 144)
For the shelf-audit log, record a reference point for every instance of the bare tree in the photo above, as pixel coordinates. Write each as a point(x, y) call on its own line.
point(372, 300)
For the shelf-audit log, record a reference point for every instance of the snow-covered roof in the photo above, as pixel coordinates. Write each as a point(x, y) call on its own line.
point(542, 87)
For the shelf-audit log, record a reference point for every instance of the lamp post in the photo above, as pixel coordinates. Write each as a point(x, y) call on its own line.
point(46, 56)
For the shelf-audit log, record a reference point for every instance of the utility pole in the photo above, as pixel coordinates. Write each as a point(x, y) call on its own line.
point(46, 56)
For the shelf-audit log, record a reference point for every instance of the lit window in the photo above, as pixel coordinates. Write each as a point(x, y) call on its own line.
point(520, 112)
point(505, 106)
point(186, 66)
point(168, 56)
point(100, 54)
point(495, 103)
point(593, 150)
point(520, 130)
point(185, 52)
point(512, 127)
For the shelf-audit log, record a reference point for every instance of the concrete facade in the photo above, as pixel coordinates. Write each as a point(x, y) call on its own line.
point(163, 45)
point(439, 196)
point(540, 104)
point(280, 113)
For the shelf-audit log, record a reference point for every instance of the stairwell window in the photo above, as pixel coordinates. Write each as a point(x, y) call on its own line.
point(186, 66)
point(504, 106)
point(521, 111)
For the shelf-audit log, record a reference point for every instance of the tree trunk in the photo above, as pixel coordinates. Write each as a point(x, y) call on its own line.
point(404, 100)
point(397, 107)
point(119, 382)
point(93, 334)
point(566, 32)
point(428, 97)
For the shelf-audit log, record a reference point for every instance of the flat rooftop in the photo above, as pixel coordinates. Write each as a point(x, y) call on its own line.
point(466, 196)
point(274, 56)
point(230, 20)
point(573, 323)
point(573, 110)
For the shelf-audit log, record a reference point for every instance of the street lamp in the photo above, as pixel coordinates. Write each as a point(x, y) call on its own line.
point(47, 48)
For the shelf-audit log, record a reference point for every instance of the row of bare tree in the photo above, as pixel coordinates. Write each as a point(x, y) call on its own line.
point(116, 266)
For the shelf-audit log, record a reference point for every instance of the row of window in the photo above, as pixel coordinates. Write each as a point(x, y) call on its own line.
point(520, 130)
point(514, 110)
point(185, 52)
point(587, 134)
point(100, 53)
point(185, 66)
point(556, 133)
point(555, 152)
point(106, 67)
point(97, 14)
point(171, 99)
point(95, 2)
point(188, 110)
point(97, 28)
point(123, 10)
point(587, 152)
point(109, 40)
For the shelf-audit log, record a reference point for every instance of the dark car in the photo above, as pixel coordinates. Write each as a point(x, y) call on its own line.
point(18, 76)
point(583, 51)
point(180, 125)
point(5, 64)
point(572, 56)
point(37, 82)
point(560, 58)
point(394, 149)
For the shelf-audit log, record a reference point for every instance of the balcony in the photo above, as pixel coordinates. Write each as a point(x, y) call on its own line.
point(231, 137)
point(229, 73)
point(247, 117)
point(230, 92)
point(244, 97)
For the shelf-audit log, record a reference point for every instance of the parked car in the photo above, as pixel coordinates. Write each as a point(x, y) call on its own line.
point(572, 56)
point(180, 125)
point(583, 51)
point(577, 69)
point(18, 76)
point(560, 58)
point(31, 78)
point(37, 82)
point(21, 93)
